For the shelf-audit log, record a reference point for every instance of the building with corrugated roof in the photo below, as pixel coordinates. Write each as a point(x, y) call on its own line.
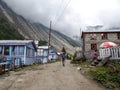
point(19, 49)
point(44, 56)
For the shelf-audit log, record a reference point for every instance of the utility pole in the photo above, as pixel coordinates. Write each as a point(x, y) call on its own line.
point(49, 34)
point(80, 33)
point(49, 38)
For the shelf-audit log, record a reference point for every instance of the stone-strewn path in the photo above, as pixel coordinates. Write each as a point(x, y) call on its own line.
point(48, 77)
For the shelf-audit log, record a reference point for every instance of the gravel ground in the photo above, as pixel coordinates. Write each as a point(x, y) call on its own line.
point(48, 77)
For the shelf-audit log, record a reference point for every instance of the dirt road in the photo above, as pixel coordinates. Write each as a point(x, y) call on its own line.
point(48, 77)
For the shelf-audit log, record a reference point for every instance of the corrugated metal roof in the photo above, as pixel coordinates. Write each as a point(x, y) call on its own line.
point(43, 47)
point(101, 30)
point(15, 42)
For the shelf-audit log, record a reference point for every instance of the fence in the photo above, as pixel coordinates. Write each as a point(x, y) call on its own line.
point(113, 52)
point(15, 62)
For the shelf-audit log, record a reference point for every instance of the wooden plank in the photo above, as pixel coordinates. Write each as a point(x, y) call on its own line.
point(112, 52)
point(116, 53)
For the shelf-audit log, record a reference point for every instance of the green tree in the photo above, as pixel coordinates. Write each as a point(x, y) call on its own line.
point(63, 50)
point(75, 55)
point(8, 32)
point(41, 42)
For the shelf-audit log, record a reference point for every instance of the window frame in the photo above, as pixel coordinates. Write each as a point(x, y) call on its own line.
point(1, 49)
point(93, 37)
point(104, 36)
point(93, 46)
point(118, 36)
point(7, 50)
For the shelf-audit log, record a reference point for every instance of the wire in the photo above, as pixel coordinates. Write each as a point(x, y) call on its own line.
point(57, 13)
point(62, 12)
point(59, 8)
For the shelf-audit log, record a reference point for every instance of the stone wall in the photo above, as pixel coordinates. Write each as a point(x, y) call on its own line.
point(111, 37)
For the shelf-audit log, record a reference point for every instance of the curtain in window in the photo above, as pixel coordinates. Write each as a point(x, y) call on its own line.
point(1, 49)
point(21, 50)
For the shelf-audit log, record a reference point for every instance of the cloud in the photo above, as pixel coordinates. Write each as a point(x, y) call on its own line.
point(78, 14)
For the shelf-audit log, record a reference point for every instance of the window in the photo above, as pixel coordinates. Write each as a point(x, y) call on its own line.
point(40, 52)
point(1, 49)
point(104, 36)
point(94, 46)
point(93, 37)
point(118, 34)
point(6, 48)
point(16, 49)
point(13, 50)
point(29, 51)
point(21, 50)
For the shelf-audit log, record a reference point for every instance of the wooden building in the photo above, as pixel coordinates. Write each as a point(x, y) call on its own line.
point(23, 50)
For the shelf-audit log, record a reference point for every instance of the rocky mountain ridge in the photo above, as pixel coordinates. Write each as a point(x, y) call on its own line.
point(36, 31)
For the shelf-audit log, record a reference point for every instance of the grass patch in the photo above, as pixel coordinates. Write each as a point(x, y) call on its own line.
point(8, 32)
point(106, 75)
point(75, 62)
point(81, 63)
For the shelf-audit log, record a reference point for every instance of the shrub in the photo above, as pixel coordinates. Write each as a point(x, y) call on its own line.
point(75, 62)
point(103, 75)
point(63, 50)
point(116, 79)
point(42, 42)
point(100, 74)
point(74, 56)
point(8, 32)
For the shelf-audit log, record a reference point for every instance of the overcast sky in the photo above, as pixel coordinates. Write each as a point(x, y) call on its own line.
point(69, 16)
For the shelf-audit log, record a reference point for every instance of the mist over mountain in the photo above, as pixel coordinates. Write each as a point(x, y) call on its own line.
point(97, 27)
point(69, 15)
point(101, 27)
point(35, 31)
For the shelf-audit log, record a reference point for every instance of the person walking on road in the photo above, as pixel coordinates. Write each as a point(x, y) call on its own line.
point(63, 58)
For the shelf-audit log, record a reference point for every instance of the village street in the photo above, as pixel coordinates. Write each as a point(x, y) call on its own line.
point(48, 77)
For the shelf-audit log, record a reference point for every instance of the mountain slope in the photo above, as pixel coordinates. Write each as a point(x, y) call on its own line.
point(7, 31)
point(35, 31)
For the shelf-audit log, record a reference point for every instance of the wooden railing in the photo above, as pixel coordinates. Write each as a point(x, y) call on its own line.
point(113, 52)
point(15, 62)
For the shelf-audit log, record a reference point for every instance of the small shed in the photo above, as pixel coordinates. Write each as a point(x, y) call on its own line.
point(22, 50)
point(42, 54)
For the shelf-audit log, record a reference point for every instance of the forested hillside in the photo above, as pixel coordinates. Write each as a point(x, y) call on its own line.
point(8, 32)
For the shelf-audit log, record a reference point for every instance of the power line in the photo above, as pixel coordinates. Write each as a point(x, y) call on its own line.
point(62, 12)
point(59, 8)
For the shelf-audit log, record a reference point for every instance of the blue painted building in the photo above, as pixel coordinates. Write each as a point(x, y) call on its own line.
point(42, 54)
point(19, 49)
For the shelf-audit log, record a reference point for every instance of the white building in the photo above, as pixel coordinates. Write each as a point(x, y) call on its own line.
point(42, 54)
